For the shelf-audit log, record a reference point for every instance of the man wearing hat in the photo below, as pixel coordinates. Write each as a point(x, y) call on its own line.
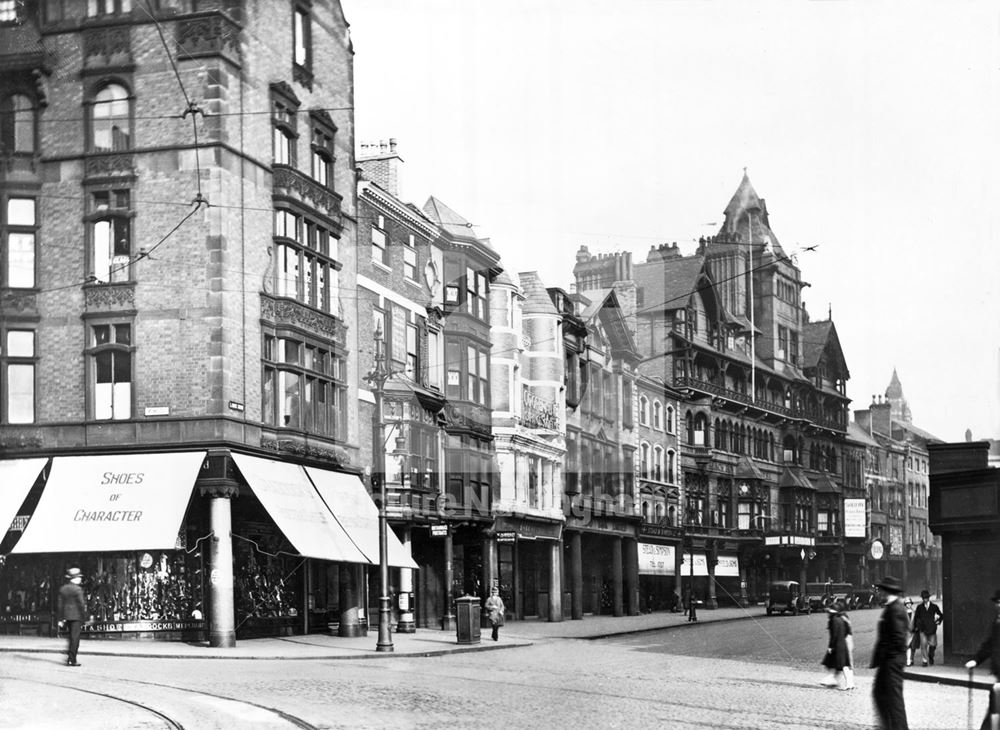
point(926, 620)
point(72, 611)
point(990, 649)
point(889, 657)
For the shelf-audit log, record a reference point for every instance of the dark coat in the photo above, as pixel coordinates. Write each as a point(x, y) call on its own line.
point(893, 633)
point(837, 656)
point(72, 607)
point(927, 618)
point(990, 648)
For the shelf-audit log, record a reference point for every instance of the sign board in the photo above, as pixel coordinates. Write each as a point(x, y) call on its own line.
point(656, 559)
point(506, 537)
point(895, 540)
point(727, 567)
point(854, 518)
point(439, 530)
point(700, 565)
point(877, 550)
point(157, 411)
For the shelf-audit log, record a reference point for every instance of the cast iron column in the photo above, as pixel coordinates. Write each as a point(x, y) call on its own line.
point(555, 582)
point(617, 609)
point(406, 623)
point(222, 616)
point(448, 620)
point(576, 573)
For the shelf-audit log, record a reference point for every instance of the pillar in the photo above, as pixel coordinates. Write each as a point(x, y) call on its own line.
point(632, 576)
point(306, 593)
point(576, 575)
point(712, 601)
point(617, 608)
point(841, 565)
point(744, 601)
point(222, 613)
point(491, 568)
point(448, 619)
point(407, 623)
point(555, 581)
point(679, 588)
point(350, 616)
point(802, 572)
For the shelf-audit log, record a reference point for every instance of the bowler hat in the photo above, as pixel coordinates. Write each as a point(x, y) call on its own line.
point(925, 593)
point(73, 573)
point(891, 584)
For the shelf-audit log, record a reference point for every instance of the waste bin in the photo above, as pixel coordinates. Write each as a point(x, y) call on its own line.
point(467, 619)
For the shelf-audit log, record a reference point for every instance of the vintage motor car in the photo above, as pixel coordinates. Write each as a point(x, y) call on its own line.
point(786, 596)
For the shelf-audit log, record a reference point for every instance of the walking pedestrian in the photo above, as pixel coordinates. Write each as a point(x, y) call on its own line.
point(926, 620)
point(989, 649)
point(72, 612)
point(889, 657)
point(913, 638)
point(839, 653)
point(494, 611)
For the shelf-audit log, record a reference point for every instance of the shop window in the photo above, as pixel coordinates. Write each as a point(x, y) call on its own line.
point(110, 224)
point(17, 124)
point(17, 267)
point(17, 355)
point(110, 119)
point(111, 370)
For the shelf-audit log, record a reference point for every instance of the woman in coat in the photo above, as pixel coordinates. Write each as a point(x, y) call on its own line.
point(839, 657)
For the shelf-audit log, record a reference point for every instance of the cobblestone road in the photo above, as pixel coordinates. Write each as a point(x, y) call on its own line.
point(675, 679)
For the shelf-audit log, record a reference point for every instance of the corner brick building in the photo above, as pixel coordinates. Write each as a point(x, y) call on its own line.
point(177, 309)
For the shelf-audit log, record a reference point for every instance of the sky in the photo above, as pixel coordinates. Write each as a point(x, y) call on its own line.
point(872, 129)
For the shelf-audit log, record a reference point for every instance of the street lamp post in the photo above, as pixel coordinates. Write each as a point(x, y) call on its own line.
point(377, 378)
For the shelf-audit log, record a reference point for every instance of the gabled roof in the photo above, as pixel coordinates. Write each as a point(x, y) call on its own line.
point(604, 306)
point(454, 224)
point(794, 478)
point(746, 206)
point(668, 285)
point(746, 469)
point(536, 296)
point(820, 337)
point(824, 483)
point(918, 432)
point(854, 431)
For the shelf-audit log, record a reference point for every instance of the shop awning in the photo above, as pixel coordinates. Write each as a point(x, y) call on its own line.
point(296, 508)
point(16, 479)
point(350, 504)
point(112, 503)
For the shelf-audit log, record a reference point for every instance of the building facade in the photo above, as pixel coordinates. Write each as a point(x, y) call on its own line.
point(177, 310)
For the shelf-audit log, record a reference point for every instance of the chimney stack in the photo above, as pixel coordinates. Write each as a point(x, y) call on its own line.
point(380, 162)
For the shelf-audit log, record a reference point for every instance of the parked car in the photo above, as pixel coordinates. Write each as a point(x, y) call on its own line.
point(822, 595)
point(786, 596)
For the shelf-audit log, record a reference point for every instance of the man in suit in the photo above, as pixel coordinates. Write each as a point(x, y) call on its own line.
point(990, 649)
point(889, 657)
point(72, 612)
point(926, 621)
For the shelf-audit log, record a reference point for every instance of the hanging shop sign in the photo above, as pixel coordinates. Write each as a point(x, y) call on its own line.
point(439, 530)
point(877, 550)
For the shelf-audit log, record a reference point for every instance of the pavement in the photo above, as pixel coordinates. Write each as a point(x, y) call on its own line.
point(431, 642)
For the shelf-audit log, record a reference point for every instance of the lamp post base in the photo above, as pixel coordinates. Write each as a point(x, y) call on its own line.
point(384, 623)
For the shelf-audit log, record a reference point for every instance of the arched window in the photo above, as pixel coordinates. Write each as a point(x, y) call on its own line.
point(659, 512)
point(657, 415)
point(699, 432)
point(643, 410)
point(111, 127)
point(670, 419)
point(658, 463)
point(671, 467)
point(645, 511)
point(17, 124)
point(644, 461)
point(672, 515)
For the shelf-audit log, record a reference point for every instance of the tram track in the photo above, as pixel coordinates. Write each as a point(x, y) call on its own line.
point(167, 705)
